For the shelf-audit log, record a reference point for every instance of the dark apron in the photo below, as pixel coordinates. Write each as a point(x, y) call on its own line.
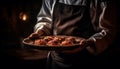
point(73, 20)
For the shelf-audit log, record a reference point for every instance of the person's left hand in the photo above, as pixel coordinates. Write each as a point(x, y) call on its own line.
point(83, 44)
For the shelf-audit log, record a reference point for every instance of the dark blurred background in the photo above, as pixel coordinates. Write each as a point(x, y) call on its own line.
point(17, 20)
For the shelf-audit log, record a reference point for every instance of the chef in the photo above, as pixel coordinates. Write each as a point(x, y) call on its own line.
point(81, 18)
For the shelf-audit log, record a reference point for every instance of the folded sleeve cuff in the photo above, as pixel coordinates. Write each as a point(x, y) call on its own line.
point(43, 26)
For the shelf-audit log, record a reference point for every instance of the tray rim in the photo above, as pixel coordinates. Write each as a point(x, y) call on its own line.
point(46, 47)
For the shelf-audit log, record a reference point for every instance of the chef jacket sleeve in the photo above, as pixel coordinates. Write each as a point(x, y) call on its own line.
point(44, 18)
point(104, 20)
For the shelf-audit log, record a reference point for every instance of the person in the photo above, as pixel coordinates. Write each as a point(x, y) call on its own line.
point(89, 19)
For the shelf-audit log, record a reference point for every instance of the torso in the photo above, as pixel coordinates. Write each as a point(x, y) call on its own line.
point(71, 17)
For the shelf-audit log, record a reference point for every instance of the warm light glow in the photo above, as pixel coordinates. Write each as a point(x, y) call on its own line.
point(23, 16)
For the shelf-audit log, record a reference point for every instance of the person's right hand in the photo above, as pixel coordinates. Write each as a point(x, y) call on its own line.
point(36, 34)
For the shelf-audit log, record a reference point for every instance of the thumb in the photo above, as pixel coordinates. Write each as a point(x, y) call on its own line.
point(82, 42)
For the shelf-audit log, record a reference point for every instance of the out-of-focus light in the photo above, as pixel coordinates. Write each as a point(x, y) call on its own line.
point(23, 16)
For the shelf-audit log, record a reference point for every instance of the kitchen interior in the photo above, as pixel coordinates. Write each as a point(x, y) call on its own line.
point(17, 20)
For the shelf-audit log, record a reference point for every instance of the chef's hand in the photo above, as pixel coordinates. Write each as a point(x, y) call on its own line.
point(36, 34)
point(83, 44)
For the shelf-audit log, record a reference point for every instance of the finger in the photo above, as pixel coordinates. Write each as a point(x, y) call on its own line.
point(33, 36)
point(40, 32)
point(82, 42)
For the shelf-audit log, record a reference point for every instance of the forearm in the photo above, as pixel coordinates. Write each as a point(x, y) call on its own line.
point(105, 37)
